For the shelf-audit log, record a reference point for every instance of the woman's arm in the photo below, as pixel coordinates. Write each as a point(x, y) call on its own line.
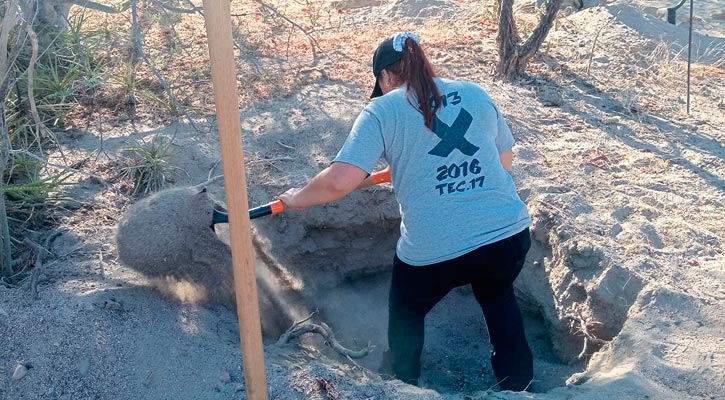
point(333, 183)
point(376, 178)
point(507, 159)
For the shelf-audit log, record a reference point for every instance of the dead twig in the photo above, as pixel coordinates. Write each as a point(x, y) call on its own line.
point(498, 383)
point(594, 45)
point(598, 159)
point(309, 317)
point(5, 284)
point(358, 366)
point(285, 145)
point(302, 327)
point(7, 24)
point(6, 261)
point(39, 252)
point(213, 167)
point(269, 160)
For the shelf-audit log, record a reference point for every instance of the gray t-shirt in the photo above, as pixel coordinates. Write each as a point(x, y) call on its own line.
point(454, 194)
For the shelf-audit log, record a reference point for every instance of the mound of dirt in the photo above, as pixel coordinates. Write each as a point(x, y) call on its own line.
point(169, 237)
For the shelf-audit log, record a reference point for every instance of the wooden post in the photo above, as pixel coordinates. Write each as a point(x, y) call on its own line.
point(221, 54)
point(689, 56)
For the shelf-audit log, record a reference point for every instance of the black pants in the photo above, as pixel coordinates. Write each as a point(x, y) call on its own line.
point(491, 271)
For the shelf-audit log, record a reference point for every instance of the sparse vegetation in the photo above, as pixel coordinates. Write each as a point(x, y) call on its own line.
point(40, 86)
point(150, 164)
point(67, 75)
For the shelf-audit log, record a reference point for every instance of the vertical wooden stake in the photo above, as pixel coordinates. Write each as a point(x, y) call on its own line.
point(221, 54)
point(689, 57)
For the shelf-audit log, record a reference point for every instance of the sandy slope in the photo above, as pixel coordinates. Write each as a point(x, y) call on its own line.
point(627, 195)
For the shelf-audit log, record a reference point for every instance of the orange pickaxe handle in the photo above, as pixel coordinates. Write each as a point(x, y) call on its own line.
point(381, 176)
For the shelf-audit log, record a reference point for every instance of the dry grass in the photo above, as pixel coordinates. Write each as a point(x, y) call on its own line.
point(274, 57)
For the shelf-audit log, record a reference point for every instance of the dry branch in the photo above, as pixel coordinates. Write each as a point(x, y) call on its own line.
point(302, 327)
point(208, 182)
point(147, 60)
point(42, 130)
point(40, 251)
point(307, 33)
point(193, 10)
point(213, 167)
point(101, 7)
point(326, 387)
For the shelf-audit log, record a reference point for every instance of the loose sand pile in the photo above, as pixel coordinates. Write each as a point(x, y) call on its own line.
point(623, 289)
point(169, 238)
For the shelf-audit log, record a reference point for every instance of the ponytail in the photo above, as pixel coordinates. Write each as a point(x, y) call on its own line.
point(416, 71)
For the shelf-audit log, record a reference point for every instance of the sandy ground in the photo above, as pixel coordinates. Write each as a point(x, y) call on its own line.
point(623, 290)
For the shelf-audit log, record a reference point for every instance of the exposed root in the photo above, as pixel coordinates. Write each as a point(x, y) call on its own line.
point(301, 327)
point(324, 386)
point(583, 327)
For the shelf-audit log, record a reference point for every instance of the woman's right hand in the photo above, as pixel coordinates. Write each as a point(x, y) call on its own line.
point(289, 198)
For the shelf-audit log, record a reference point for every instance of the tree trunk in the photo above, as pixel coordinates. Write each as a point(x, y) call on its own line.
point(6, 268)
point(9, 21)
point(6, 258)
point(514, 56)
point(51, 18)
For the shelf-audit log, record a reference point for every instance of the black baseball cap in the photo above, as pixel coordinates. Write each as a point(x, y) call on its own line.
point(384, 56)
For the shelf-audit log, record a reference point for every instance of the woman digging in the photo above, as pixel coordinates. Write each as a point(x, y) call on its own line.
point(462, 220)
